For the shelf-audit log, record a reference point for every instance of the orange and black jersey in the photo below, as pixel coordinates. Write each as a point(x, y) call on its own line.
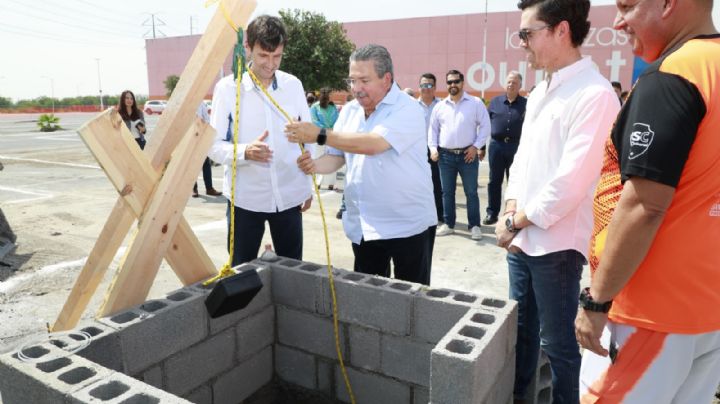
point(669, 132)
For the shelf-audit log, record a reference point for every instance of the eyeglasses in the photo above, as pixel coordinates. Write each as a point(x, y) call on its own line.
point(526, 33)
point(351, 82)
point(456, 81)
point(427, 85)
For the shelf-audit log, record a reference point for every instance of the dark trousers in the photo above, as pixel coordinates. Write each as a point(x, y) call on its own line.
point(437, 187)
point(285, 230)
point(411, 256)
point(141, 142)
point(207, 175)
point(500, 158)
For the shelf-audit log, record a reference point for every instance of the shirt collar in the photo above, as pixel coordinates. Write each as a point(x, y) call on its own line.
point(568, 72)
point(465, 96)
point(434, 101)
point(248, 83)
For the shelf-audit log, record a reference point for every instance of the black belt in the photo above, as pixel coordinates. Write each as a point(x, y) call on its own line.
point(454, 151)
point(505, 139)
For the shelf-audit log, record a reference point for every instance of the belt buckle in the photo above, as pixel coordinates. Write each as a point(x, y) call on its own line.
point(506, 139)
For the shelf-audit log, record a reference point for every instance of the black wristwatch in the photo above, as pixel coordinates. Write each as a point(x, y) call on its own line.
point(587, 303)
point(322, 137)
point(510, 224)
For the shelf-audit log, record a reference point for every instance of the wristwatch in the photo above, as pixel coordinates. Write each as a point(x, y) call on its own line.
point(510, 224)
point(322, 137)
point(587, 303)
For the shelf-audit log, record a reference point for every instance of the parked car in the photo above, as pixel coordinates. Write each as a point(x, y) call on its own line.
point(154, 107)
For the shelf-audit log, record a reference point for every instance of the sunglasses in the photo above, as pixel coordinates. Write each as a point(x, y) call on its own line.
point(526, 33)
point(427, 85)
point(456, 81)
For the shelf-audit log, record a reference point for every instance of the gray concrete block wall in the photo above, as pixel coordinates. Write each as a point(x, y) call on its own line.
point(48, 378)
point(296, 367)
point(405, 359)
point(308, 332)
point(540, 388)
point(371, 388)
point(122, 389)
point(255, 332)
point(245, 379)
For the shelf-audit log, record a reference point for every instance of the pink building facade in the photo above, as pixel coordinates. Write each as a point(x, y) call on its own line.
point(438, 44)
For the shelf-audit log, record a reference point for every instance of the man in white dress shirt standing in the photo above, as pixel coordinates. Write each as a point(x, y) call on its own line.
point(381, 136)
point(269, 186)
point(547, 221)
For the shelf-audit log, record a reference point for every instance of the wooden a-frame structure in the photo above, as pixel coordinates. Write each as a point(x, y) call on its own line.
point(154, 184)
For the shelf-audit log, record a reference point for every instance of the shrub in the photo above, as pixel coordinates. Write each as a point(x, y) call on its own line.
point(48, 123)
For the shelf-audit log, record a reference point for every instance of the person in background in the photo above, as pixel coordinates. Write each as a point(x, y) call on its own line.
point(507, 113)
point(310, 97)
point(132, 116)
point(618, 90)
point(202, 113)
point(428, 101)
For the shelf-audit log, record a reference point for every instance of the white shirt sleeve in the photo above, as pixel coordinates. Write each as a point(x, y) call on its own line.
point(433, 132)
point(581, 160)
point(403, 128)
point(483, 125)
point(223, 105)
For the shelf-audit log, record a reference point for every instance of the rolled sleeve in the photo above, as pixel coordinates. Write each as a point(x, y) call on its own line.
point(433, 130)
point(483, 126)
point(403, 128)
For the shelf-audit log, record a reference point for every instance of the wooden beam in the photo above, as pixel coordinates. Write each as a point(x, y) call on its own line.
point(161, 218)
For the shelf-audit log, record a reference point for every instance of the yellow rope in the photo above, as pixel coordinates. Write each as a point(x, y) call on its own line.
point(327, 241)
point(226, 270)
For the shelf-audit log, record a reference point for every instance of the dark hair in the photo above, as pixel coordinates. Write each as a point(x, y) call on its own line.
point(553, 12)
point(429, 76)
point(455, 72)
point(617, 85)
point(380, 57)
point(324, 98)
point(134, 114)
point(268, 32)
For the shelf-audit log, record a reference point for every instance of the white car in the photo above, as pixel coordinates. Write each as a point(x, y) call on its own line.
point(154, 107)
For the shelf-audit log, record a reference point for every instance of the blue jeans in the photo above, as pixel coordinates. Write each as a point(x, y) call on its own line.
point(546, 288)
point(450, 166)
point(500, 158)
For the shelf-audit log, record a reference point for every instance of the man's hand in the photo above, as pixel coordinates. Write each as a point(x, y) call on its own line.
point(434, 155)
point(504, 237)
point(471, 153)
point(306, 205)
point(305, 163)
point(258, 150)
point(302, 132)
point(588, 329)
point(481, 154)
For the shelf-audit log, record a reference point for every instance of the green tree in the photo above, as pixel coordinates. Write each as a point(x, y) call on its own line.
point(170, 83)
point(317, 51)
point(5, 102)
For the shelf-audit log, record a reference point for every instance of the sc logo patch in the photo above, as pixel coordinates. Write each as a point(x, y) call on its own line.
point(640, 140)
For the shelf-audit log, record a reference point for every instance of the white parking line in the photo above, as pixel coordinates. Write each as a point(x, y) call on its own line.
point(49, 162)
point(38, 195)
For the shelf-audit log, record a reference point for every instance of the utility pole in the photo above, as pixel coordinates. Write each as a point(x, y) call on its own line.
point(52, 91)
point(153, 23)
point(102, 107)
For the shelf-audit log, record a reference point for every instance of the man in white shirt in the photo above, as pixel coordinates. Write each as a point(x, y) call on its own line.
point(269, 186)
point(547, 221)
point(381, 136)
point(459, 127)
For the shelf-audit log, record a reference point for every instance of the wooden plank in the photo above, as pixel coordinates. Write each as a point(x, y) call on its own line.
point(206, 60)
point(131, 286)
point(134, 178)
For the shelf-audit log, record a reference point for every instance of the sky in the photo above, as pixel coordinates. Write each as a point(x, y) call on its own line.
point(66, 48)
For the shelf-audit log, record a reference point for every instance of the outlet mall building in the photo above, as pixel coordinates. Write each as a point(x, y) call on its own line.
point(484, 52)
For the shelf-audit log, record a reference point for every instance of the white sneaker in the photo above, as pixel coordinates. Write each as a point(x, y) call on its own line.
point(476, 233)
point(444, 230)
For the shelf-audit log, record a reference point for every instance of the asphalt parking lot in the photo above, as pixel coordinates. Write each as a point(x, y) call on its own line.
point(57, 199)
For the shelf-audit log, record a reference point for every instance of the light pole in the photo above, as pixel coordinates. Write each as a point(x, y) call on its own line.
point(102, 107)
point(52, 91)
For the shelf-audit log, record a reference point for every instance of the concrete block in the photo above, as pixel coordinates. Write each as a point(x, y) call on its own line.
point(299, 287)
point(105, 348)
point(421, 395)
point(406, 359)
point(202, 395)
point(364, 348)
point(502, 391)
point(295, 367)
point(255, 333)
point(308, 332)
point(453, 374)
point(165, 327)
point(326, 377)
point(118, 388)
point(245, 379)
point(153, 377)
point(198, 364)
point(48, 376)
point(258, 303)
point(372, 301)
point(540, 388)
point(435, 313)
point(372, 388)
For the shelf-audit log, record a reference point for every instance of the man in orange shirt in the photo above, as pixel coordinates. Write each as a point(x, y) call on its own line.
point(650, 321)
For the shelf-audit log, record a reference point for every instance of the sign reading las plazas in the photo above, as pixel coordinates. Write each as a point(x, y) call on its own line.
point(438, 44)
